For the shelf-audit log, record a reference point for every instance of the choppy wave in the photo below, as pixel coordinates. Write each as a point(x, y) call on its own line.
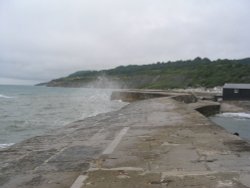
point(2, 146)
point(6, 97)
point(240, 115)
point(33, 111)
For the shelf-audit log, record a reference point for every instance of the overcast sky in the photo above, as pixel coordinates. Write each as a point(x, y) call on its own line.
point(45, 39)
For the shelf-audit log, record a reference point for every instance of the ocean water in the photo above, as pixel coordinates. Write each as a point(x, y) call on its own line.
point(27, 111)
point(234, 122)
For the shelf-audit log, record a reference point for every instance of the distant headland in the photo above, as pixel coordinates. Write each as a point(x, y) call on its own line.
point(199, 72)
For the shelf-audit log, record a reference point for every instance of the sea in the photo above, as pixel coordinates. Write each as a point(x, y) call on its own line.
point(27, 111)
point(234, 123)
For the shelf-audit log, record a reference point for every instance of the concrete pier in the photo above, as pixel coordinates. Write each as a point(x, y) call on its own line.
point(153, 143)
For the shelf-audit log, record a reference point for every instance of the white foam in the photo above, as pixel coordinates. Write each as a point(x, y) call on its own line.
point(236, 115)
point(6, 145)
point(4, 96)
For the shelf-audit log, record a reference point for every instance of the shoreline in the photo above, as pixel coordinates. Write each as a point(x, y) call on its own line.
point(202, 95)
point(235, 106)
point(44, 109)
point(158, 141)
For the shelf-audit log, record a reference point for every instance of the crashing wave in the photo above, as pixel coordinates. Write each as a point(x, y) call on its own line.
point(4, 96)
point(2, 146)
point(240, 115)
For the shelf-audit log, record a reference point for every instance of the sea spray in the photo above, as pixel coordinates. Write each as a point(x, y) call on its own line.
point(40, 110)
point(106, 82)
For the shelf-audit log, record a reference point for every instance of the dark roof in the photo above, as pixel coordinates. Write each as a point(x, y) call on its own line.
point(237, 86)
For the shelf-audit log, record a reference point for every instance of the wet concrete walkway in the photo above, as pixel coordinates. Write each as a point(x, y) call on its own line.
point(151, 143)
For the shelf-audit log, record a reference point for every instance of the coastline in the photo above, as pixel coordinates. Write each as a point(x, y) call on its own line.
point(148, 143)
point(235, 106)
point(33, 111)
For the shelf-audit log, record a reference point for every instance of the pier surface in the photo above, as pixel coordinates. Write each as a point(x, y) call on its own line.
point(153, 143)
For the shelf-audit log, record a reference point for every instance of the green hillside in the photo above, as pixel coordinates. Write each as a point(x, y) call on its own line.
point(200, 72)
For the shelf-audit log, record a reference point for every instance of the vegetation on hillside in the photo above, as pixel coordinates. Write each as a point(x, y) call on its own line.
point(200, 72)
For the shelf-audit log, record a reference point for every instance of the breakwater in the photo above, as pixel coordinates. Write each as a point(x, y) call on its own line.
point(159, 142)
point(205, 107)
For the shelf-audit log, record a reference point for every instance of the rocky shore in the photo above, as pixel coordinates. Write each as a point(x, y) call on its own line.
point(150, 143)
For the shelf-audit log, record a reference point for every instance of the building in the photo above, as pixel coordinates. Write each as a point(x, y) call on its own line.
point(236, 92)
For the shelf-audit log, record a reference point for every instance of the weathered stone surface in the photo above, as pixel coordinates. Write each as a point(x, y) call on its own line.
point(152, 143)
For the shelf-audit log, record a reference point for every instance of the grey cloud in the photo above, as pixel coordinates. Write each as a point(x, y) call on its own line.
point(41, 40)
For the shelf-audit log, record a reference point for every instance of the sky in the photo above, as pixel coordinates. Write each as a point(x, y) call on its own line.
point(45, 39)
